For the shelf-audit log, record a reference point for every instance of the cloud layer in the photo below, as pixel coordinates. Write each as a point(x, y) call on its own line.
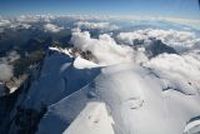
point(105, 49)
point(172, 69)
point(52, 28)
point(6, 67)
point(6, 72)
point(179, 72)
point(179, 40)
point(96, 25)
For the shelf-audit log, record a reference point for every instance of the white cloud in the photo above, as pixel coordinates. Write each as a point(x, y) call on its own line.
point(28, 19)
point(6, 72)
point(184, 65)
point(6, 69)
point(14, 24)
point(20, 26)
point(13, 56)
point(179, 40)
point(52, 28)
point(96, 25)
point(105, 49)
point(178, 71)
point(194, 23)
point(4, 22)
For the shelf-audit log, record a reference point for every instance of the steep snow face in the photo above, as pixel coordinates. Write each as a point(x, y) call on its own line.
point(58, 77)
point(135, 99)
point(94, 119)
point(81, 63)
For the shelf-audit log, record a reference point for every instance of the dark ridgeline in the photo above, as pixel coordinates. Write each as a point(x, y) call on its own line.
point(199, 4)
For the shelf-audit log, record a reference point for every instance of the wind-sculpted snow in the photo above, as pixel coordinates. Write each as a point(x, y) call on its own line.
point(58, 73)
point(81, 63)
point(135, 103)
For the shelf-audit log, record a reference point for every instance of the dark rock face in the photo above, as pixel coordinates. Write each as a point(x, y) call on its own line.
point(22, 111)
point(157, 47)
point(153, 47)
point(16, 119)
point(26, 120)
point(84, 54)
point(138, 42)
point(7, 106)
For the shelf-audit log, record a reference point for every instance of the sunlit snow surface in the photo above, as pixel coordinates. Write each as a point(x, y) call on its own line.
point(128, 99)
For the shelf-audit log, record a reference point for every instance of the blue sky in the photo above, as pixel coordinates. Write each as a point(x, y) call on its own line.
point(172, 8)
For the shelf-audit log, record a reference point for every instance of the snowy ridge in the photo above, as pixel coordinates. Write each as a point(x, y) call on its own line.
point(81, 63)
point(57, 79)
point(94, 119)
point(64, 77)
point(140, 109)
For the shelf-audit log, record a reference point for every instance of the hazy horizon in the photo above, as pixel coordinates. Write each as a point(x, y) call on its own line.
point(161, 8)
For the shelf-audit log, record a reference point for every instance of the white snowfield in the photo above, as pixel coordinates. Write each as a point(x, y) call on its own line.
point(137, 103)
point(94, 119)
point(130, 99)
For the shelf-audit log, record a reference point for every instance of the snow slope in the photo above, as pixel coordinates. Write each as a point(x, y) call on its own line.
point(58, 73)
point(94, 119)
point(56, 79)
point(135, 99)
